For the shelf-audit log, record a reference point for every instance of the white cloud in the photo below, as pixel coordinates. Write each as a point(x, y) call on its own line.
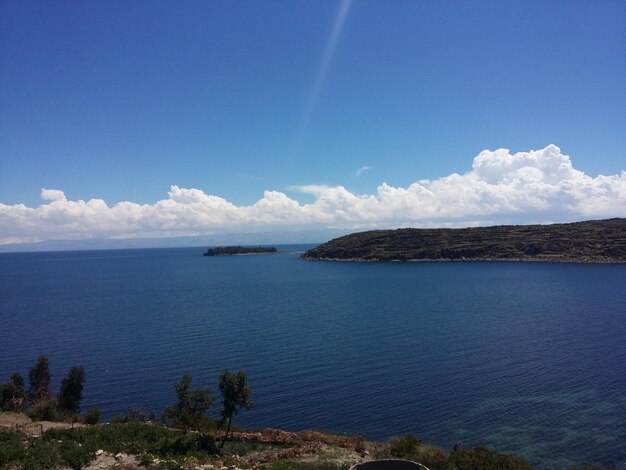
point(501, 187)
point(52, 195)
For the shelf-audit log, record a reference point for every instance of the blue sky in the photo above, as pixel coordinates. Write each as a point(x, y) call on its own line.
point(119, 101)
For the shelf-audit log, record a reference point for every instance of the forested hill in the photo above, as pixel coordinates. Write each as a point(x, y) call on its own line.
point(589, 242)
point(239, 250)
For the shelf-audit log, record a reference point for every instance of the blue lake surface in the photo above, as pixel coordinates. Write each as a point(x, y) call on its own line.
point(527, 358)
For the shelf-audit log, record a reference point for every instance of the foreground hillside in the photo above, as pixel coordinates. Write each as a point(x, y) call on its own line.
point(131, 443)
point(590, 242)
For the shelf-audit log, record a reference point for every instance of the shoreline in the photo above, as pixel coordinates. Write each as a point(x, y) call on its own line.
point(469, 260)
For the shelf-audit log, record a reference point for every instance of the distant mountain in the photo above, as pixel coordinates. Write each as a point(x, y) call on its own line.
point(590, 241)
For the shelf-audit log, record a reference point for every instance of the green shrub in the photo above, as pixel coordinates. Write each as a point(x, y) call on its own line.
point(41, 454)
point(295, 465)
point(411, 448)
point(92, 416)
point(11, 448)
point(136, 438)
point(433, 457)
point(146, 460)
point(74, 455)
point(485, 459)
point(45, 411)
point(134, 415)
point(247, 447)
point(404, 447)
point(119, 419)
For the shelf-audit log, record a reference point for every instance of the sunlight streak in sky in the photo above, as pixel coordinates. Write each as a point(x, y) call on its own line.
point(320, 76)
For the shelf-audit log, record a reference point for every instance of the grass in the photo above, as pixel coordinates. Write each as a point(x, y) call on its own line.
point(76, 447)
point(242, 448)
point(38, 453)
point(295, 465)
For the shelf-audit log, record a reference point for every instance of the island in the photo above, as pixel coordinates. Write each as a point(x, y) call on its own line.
point(594, 241)
point(239, 250)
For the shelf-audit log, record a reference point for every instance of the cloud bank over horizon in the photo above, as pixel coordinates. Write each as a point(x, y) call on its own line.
point(525, 187)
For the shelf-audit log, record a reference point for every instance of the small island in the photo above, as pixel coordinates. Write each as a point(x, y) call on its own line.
point(239, 250)
point(594, 241)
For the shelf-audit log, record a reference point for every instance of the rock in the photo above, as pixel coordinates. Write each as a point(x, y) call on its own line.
point(120, 456)
point(99, 452)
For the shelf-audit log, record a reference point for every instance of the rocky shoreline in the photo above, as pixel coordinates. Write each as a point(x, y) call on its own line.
point(473, 260)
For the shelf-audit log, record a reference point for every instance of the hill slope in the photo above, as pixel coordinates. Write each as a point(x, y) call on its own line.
point(591, 242)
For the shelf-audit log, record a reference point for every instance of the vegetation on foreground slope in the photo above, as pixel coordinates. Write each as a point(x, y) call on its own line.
point(591, 241)
point(156, 446)
point(186, 436)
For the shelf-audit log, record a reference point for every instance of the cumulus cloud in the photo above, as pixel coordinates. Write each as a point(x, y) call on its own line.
point(52, 195)
point(501, 187)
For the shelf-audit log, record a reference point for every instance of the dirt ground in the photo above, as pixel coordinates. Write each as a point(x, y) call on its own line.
point(22, 423)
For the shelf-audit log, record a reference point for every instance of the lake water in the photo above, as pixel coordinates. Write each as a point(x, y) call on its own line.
point(527, 358)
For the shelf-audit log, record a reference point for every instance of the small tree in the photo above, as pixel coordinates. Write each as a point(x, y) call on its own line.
point(39, 377)
point(190, 411)
point(235, 395)
point(18, 382)
point(71, 392)
point(12, 393)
